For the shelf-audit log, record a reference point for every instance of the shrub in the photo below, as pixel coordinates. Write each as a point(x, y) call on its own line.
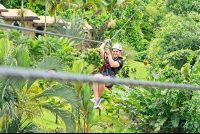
point(92, 56)
point(177, 58)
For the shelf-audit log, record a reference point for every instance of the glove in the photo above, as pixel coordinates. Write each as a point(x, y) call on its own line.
point(108, 41)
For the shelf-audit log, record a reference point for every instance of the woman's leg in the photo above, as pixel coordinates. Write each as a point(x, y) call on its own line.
point(98, 87)
point(104, 84)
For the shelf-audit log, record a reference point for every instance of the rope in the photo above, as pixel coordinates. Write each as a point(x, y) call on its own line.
point(18, 72)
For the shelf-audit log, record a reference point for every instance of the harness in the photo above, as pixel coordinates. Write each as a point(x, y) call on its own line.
point(105, 65)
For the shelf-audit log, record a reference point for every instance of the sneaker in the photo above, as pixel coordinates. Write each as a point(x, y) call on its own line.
point(96, 104)
point(92, 100)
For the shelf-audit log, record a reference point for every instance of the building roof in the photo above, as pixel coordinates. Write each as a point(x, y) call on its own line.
point(49, 20)
point(3, 9)
point(15, 14)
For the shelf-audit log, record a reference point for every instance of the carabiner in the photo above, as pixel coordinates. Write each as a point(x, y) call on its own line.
point(106, 42)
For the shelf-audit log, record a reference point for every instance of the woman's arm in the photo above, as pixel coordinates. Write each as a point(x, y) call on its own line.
point(113, 64)
point(101, 49)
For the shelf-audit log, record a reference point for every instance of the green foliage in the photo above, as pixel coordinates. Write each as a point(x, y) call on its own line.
point(176, 33)
point(131, 33)
point(140, 56)
point(147, 30)
point(5, 46)
point(183, 6)
point(75, 29)
point(17, 36)
point(67, 93)
point(17, 125)
point(51, 46)
point(96, 20)
point(92, 56)
point(176, 58)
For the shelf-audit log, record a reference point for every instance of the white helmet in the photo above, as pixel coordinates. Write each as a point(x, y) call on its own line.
point(117, 46)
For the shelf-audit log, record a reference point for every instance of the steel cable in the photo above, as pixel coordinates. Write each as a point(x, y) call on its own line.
point(19, 72)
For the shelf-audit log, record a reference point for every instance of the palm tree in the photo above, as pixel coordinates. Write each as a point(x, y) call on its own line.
point(75, 28)
point(51, 6)
point(31, 2)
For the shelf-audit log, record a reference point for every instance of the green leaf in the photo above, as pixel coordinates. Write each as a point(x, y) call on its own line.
point(78, 66)
point(85, 93)
point(47, 63)
point(160, 123)
point(67, 117)
point(190, 57)
point(176, 119)
point(22, 57)
point(1, 114)
point(50, 63)
point(5, 46)
point(62, 91)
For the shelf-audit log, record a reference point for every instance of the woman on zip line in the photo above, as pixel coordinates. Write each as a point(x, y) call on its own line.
point(111, 66)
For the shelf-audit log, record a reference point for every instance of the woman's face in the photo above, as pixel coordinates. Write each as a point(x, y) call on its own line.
point(116, 53)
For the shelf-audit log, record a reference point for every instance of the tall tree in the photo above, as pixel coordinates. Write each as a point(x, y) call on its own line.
point(51, 6)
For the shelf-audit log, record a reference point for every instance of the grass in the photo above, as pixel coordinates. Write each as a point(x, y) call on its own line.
point(141, 70)
point(47, 122)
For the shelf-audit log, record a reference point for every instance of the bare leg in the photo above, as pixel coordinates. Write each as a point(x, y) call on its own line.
point(98, 86)
point(103, 86)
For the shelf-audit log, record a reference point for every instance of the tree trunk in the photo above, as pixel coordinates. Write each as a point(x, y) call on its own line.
point(56, 119)
point(22, 16)
point(45, 15)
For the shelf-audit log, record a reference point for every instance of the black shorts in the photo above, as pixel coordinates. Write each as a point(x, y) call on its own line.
point(104, 74)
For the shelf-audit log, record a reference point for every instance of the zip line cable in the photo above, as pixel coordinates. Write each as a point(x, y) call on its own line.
point(42, 32)
point(19, 72)
point(124, 24)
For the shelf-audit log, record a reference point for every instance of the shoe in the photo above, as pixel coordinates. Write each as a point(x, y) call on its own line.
point(96, 104)
point(92, 100)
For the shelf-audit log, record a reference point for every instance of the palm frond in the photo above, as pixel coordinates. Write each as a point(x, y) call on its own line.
point(16, 125)
point(47, 63)
point(50, 63)
point(22, 57)
point(78, 66)
point(62, 91)
point(67, 117)
point(5, 46)
point(74, 28)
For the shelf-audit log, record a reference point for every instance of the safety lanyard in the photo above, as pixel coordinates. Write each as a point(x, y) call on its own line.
point(105, 54)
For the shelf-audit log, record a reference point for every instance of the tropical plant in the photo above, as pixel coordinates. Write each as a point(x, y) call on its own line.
point(74, 29)
point(51, 5)
point(84, 5)
point(18, 125)
point(93, 57)
point(15, 103)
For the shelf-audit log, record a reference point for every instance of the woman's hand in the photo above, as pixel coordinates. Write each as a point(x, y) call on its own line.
point(107, 51)
point(108, 41)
